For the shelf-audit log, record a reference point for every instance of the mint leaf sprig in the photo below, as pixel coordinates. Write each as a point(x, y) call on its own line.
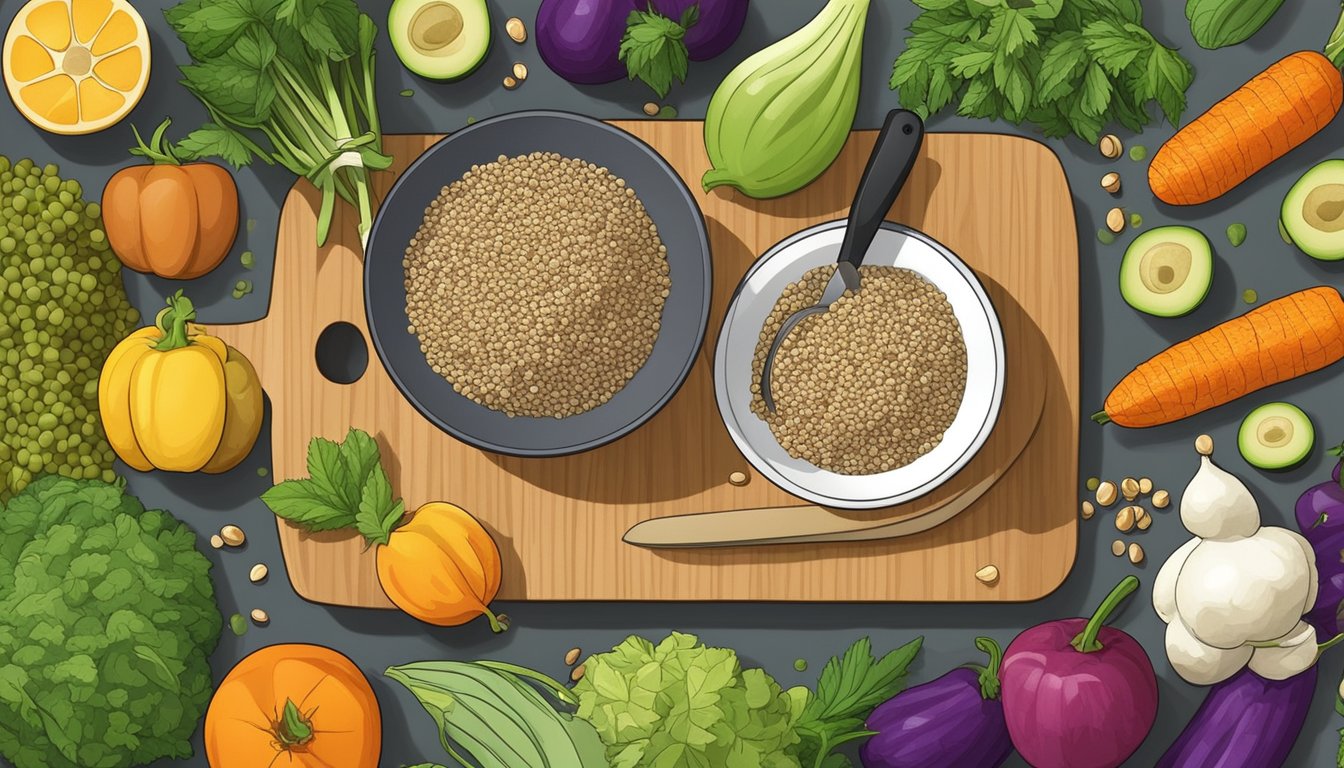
point(654, 47)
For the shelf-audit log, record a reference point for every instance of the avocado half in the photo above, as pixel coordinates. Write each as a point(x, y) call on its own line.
point(1276, 436)
point(440, 39)
point(1167, 271)
point(1313, 211)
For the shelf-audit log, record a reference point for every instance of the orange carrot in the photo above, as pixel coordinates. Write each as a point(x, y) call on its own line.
point(1258, 123)
point(1286, 338)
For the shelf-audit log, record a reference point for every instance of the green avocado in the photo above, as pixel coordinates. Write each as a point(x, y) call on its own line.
point(1276, 436)
point(440, 39)
point(1167, 271)
point(1313, 211)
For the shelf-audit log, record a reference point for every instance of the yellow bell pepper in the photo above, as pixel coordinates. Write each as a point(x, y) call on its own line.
point(173, 397)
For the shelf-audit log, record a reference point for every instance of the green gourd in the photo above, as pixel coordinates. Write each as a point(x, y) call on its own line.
point(782, 116)
point(1220, 23)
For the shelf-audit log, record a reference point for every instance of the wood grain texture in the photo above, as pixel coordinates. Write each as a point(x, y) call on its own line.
point(1002, 203)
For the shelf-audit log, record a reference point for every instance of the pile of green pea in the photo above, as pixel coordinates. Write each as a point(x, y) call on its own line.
point(62, 309)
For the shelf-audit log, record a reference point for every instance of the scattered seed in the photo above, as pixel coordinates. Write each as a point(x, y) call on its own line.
point(1250, 296)
point(1117, 548)
point(516, 30)
point(510, 82)
point(251, 224)
point(1145, 485)
point(262, 471)
point(738, 478)
point(1111, 147)
point(1283, 232)
point(258, 573)
point(1161, 499)
point(1088, 510)
point(233, 535)
point(800, 665)
point(1124, 519)
point(1135, 220)
point(651, 109)
point(1236, 234)
point(260, 616)
point(1135, 553)
point(1115, 220)
point(1129, 488)
point(1138, 153)
point(238, 624)
point(247, 259)
point(1092, 483)
point(520, 71)
point(1111, 182)
point(1142, 519)
point(668, 112)
point(407, 92)
point(216, 542)
point(1106, 236)
point(988, 575)
point(573, 656)
point(577, 674)
point(1204, 445)
point(1106, 493)
point(470, 119)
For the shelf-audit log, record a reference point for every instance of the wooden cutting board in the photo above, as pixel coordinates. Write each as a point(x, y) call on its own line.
point(1002, 203)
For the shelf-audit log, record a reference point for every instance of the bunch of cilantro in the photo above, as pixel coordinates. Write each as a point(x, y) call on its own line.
point(107, 617)
point(290, 82)
point(1066, 66)
point(680, 704)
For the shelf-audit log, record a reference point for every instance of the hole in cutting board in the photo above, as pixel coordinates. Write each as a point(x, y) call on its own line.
point(342, 355)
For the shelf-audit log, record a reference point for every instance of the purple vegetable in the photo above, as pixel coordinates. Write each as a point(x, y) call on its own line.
point(1077, 694)
point(1320, 517)
point(956, 720)
point(1246, 721)
point(580, 40)
point(719, 25)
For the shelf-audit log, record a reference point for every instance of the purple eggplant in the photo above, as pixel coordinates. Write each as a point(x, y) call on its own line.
point(1320, 517)
point(956, 720)
point(1246, 721)
point(580, 40)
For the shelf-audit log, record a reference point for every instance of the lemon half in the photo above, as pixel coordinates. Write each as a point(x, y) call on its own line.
point(76, 66)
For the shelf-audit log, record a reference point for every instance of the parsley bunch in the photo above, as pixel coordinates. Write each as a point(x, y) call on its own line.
point(296, 75)
point(1065, 66)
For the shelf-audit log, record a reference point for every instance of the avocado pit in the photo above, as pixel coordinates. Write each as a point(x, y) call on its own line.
point(1165, 267)
point(1324, 208)
point(434, 27)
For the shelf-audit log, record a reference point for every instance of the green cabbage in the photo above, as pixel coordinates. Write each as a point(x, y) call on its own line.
point(682, 704)
point(107, 617)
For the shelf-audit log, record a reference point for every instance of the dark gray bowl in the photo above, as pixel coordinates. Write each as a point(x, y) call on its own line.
point(685, 314)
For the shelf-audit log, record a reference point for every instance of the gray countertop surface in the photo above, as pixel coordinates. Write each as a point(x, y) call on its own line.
point(1114, 339)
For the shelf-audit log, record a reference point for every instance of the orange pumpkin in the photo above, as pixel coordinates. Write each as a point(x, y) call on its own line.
point(297, 706)
point(173, 219)
point(442, 567)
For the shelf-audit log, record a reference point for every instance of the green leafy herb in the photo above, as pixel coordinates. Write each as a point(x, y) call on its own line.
point(347, 487)
point(1236, 234)
point(654, 48)
point(494, 713)
point(849, 688)
point(288, 82)
point(1066, 67)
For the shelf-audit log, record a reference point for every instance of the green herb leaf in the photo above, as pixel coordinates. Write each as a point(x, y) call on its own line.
point(654, 49)
point(1116, 46)
point(209, 27)
point(360, 454)
point(329, 473)
point(1096, 92)
point(212, 140)
point(1167, 78)
point(378, 514)
point(307, 505)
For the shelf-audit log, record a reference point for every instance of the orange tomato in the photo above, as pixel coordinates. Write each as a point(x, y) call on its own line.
point(297, 706)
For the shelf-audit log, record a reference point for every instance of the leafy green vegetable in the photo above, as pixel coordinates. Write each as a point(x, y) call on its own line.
point(107, 620)
point(681, 703)
point(654, 48)
point(296, 75)
point(1067, 67)
point(1220, 23)
point(849, 689)
point(491, 711)
point(347, 487)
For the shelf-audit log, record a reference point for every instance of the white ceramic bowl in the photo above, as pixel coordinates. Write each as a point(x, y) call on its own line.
point(894, 246)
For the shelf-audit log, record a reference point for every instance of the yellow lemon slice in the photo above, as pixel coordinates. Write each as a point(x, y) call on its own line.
point(76, 66)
